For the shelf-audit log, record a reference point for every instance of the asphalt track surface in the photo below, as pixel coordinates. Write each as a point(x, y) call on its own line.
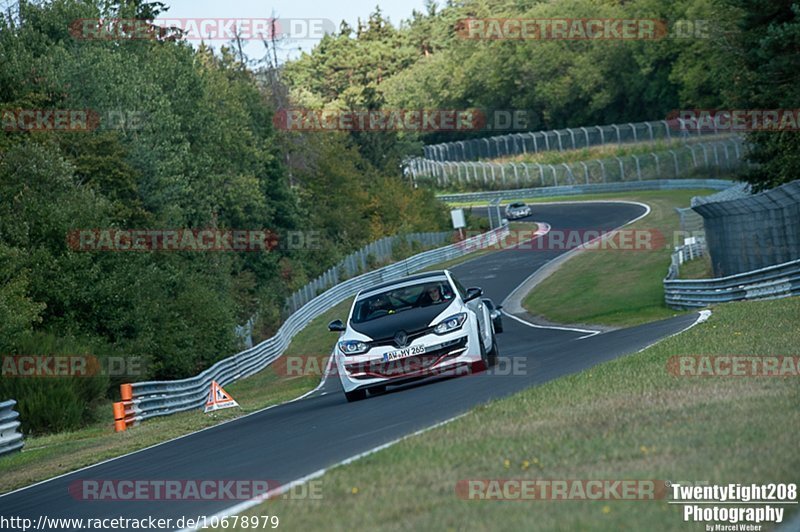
point(290, 441)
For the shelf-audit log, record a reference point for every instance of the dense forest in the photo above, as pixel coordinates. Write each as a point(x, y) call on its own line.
point(711, 54)
point(193, 144)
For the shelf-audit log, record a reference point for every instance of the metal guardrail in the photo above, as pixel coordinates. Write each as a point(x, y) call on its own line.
point(678, 162)
point(574, 190)
point(144, 400)
point(357, 261)
point(562, 139)
point(10, 439)
point(693, 250)
point(781, 280)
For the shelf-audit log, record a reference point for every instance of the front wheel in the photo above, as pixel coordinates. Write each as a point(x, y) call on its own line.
point(355, 395)
point(494, 353)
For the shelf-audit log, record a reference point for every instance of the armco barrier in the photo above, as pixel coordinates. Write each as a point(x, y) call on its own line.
point(575, 190)
point(144, 400)
point(781, 280)
point(10, 439)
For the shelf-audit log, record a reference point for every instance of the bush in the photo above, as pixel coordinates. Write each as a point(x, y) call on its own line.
point(49, 403)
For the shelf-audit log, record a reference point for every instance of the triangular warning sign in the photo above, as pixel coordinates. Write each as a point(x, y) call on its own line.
point(218, 398)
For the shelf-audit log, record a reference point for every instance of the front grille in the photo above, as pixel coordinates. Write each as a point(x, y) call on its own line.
point(389, 340)
point(410, 365)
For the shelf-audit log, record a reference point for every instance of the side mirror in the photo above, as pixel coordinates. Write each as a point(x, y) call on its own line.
point(473, 293)
point(336, 326)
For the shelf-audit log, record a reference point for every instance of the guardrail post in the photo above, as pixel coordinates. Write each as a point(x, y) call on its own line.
point(666, 130)
point(675, 159)
point(586, 134)
point(555, 174)
point(638, 167)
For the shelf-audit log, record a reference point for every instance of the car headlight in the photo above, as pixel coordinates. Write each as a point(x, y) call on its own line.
point(353, 347)
point(451, 323)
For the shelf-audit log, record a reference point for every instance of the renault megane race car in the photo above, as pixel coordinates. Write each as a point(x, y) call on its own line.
point(518, 210)
point(422, 325)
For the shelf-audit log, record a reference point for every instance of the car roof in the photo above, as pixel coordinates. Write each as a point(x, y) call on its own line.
point(416, 277)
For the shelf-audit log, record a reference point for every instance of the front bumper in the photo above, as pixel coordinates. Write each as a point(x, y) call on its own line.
point(443, 354)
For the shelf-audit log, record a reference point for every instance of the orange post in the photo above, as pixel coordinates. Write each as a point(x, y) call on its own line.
point(126, 391)
point(119, 417)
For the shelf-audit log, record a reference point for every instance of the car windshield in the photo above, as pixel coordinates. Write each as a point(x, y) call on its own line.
point(517, 205)
point(400, 299)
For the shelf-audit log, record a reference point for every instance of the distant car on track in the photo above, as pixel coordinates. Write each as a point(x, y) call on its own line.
point(495, 314)
point(517, 210)
point(422, 325)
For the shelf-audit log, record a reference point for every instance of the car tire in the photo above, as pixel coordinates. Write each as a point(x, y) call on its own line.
point(494, 354)
point(355, 395)
point(483, 365)
point(498, 328)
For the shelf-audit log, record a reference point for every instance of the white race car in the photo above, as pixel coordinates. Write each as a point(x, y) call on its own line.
point(518, 210)
point(422, 325)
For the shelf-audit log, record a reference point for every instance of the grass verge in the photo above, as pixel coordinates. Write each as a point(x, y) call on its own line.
point(699, 268)
point(625, 419)
point(616, 287)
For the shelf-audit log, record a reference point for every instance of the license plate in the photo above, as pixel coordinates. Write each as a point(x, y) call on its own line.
point(404, 353)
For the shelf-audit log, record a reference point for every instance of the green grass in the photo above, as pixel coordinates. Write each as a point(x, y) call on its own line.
point(47, 456)
point(625, 419)
point(643, 195)
point(615, 287)
point(605, 151)
point(696, 269)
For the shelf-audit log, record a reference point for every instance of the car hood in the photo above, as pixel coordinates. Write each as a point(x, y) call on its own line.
point(410, 321)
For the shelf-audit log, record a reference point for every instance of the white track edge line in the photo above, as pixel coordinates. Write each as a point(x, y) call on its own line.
point(322, 382)
point(320, 385)
point(558, 328)
point(246, 505)
point(582, 247)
